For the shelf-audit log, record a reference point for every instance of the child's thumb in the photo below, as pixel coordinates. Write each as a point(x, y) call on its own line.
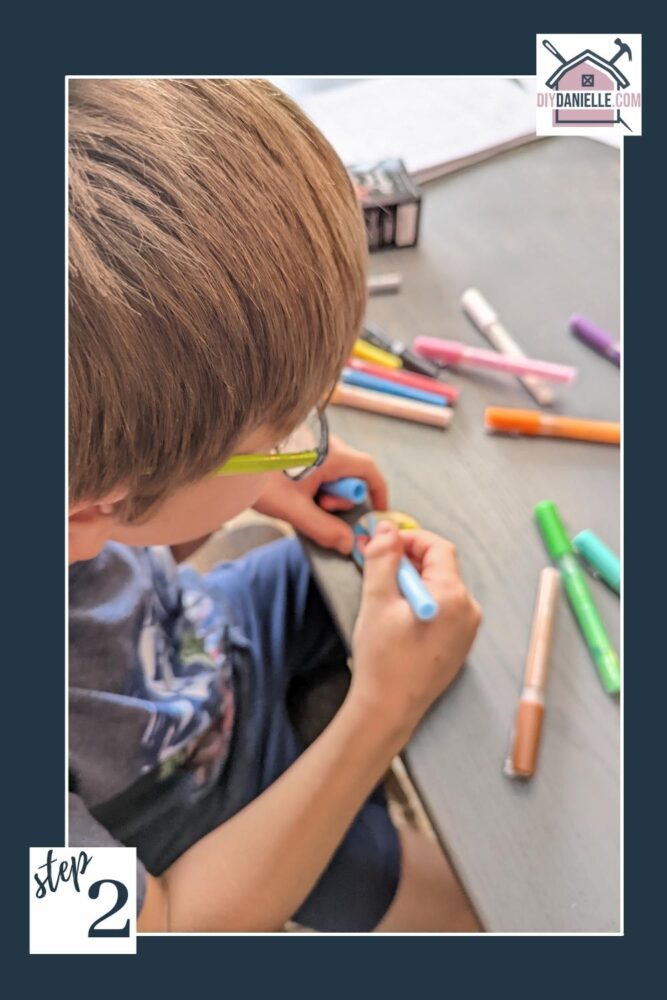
point(382, 556)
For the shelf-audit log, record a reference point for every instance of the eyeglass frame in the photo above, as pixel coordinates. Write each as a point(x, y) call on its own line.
point(238, 465)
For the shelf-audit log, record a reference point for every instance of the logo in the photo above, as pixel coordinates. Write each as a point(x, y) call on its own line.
point(589, 84)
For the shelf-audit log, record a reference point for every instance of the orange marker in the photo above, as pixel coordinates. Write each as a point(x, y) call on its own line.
point(530, 713)
point(534, 422)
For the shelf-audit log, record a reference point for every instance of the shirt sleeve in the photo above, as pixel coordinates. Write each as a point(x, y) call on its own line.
point(85, 831)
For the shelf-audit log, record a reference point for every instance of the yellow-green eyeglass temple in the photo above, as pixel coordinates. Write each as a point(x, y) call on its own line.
point(248, 464)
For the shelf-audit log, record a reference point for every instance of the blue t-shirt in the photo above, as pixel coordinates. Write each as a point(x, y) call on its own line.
point(151, 705)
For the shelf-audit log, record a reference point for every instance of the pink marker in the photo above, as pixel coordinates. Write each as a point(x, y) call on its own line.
point(451, 352)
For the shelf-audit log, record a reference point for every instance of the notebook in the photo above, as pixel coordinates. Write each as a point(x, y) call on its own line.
point(434, 124)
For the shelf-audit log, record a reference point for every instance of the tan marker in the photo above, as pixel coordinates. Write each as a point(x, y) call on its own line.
point(391, 406)
point(522, 760)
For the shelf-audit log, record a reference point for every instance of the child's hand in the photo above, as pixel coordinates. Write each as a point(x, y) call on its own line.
point(401, 664)
point(295, 501)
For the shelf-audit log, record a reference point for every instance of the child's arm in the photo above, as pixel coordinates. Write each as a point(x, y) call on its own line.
point(254, 871)
point(184, 550)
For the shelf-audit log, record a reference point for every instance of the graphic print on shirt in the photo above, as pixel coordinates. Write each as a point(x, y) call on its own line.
point(183, 668)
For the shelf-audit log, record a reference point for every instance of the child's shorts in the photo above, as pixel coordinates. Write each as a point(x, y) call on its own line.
point(284, 631)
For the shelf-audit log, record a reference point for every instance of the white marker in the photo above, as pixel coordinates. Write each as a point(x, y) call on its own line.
point(384, 284)
point(487, 322)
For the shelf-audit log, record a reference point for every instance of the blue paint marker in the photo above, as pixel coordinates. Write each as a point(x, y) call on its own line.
point(363, 381)
point(414, 591)
point(410, 584)
point(349, 488)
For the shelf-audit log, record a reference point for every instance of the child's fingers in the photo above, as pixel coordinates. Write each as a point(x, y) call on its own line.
point(361, 541)
point(326, 529)
point(334, 504)
point(382, 555)
point(434, 557)
point(377, 487)
point(377, 484)
point(361, 466)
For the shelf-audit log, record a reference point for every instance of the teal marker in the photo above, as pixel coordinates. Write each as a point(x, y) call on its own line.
point(601, 559)
point(560, 549)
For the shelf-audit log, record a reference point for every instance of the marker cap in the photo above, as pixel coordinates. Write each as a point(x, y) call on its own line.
point(526, 744)
point(583, 328)
point(349, 488)
point(552, 529)
point(498, 418)
point(479, 310)
point(605, 562)
point(368, 352)
point(447, 352)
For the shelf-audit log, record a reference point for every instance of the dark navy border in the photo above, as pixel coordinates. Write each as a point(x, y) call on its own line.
point(41, 48)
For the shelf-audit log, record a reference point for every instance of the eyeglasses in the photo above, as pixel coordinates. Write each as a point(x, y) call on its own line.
point(304, 450)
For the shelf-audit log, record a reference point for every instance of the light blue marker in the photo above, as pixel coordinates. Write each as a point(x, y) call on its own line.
point(410, 583)
point(602, 560)
point(415, 592)
point(349, 488)
point(352, 377)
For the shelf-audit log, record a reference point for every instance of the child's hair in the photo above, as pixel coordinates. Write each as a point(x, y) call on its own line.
point(217, 277)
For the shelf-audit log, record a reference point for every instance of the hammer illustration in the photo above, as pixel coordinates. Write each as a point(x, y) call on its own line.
point(623, 50)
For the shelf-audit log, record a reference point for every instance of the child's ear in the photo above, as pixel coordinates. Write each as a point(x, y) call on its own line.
point(90, 526)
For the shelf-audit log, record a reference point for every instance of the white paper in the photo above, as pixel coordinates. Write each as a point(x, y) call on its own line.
point(434, 124)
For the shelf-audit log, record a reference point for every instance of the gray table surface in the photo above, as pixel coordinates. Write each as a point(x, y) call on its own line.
point(537, 230)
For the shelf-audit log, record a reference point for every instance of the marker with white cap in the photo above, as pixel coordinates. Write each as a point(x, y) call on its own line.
point(384, 284)
point(486, 320)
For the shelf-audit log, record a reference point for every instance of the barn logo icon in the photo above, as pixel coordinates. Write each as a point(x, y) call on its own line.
point(588, 84)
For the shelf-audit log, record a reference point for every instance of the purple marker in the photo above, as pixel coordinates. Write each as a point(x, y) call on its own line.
point(598, 339)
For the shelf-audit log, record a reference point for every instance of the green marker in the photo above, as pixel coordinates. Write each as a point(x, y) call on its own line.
point(560, 549)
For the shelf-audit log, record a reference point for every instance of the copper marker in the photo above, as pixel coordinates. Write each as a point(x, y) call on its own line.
point(522, 758)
